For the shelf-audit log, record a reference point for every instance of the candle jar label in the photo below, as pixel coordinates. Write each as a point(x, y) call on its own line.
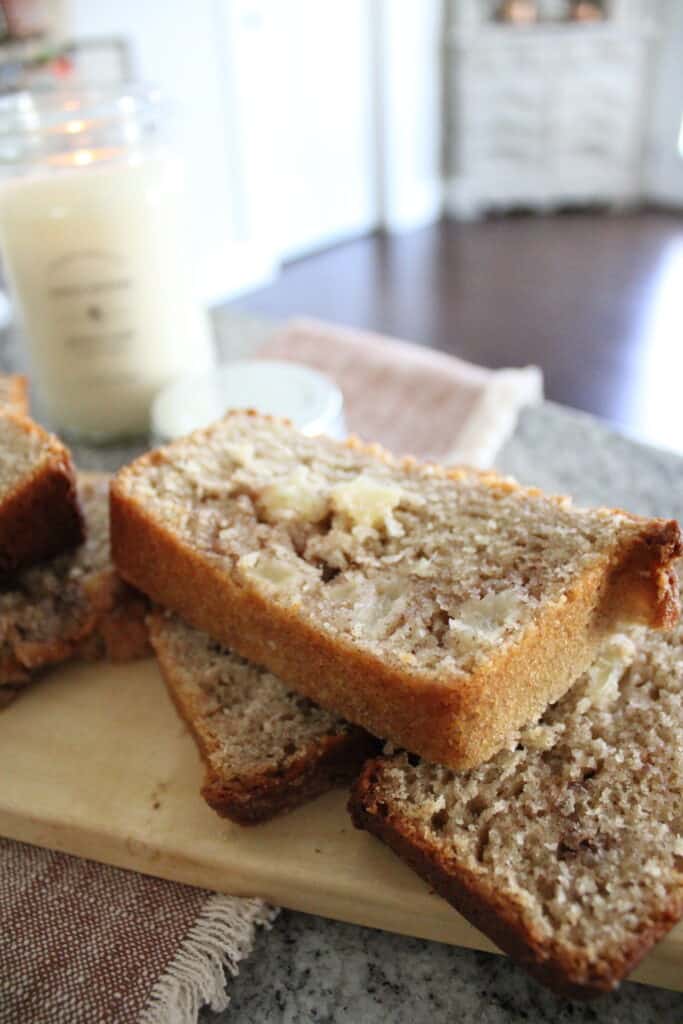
point(97, 259)
point(90, 295)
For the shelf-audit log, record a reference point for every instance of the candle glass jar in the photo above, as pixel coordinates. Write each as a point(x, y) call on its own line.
point(94, 242)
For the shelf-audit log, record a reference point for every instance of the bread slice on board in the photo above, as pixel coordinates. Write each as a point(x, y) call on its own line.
point(14, 393)
point(266, 749)
point(440, 609)
point(567, 850)
point(73, 605)
point(39, 512)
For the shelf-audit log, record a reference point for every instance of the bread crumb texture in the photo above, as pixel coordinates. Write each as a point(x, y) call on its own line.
point(578, 829)
point(250, 722)
point(53, 610)
point(23, 452)
point(416, 565)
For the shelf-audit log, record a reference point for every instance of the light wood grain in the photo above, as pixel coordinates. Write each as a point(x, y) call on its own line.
point(95, 762)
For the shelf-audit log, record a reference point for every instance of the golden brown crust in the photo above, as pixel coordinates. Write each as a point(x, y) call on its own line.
point(117, 635)
point(574, 976)
point(250, 799)
point(112, 626)
point(114, 629)
point(123, 629)
point(643, 584)
point(41, 516)
point(116, 632)
point(257, 798)
point(459, 724)
point(14, 393)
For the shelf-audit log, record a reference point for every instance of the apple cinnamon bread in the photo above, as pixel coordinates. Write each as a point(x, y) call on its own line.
point(73, 605)
point(266, 749)
point(441, 609)
point(567, 849)
point(39, 512)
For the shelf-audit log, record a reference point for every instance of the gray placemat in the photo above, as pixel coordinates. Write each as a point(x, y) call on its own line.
point(571, 452)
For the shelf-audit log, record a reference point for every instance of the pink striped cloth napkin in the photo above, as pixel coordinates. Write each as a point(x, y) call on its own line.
point(82, 942)
point(411, 399)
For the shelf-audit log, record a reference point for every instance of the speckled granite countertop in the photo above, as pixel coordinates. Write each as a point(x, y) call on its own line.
point(309, 969)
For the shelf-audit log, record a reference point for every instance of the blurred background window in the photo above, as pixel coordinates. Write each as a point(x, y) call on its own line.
point(307, 123)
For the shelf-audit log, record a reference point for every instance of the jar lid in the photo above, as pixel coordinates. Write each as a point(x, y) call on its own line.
point(309, 399)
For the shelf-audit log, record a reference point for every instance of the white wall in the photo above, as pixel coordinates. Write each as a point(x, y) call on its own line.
point(183, 48)
point(408, 41)
point(322, 93)
point(357, 95)
point(302, 122)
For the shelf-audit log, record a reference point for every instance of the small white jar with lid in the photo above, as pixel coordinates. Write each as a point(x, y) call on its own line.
point(93, 238)
point(288, 390)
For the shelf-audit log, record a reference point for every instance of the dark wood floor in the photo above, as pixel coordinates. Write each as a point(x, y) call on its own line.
point(595, 300)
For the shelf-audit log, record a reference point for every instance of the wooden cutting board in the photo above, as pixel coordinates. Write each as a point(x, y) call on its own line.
point(95, 762)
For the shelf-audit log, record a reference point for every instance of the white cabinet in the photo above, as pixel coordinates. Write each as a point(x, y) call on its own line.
point(545, 115)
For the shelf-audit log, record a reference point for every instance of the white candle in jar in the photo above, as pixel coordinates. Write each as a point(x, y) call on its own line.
point(97, 257)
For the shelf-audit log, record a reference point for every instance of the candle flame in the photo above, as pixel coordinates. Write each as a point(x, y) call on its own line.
point(74, 127)
point(82, 157)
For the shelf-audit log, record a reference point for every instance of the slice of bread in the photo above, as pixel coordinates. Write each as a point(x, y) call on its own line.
point(439, 609)
point(39, 513)
point(14, 393)
point(266, 749)
point(567, 851)
point(74, 605)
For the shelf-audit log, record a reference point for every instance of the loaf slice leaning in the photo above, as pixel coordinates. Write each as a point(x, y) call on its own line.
point(266, 749)
point(567, 851)
point(71, 606)
point(439, 609)
point(39, 511)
